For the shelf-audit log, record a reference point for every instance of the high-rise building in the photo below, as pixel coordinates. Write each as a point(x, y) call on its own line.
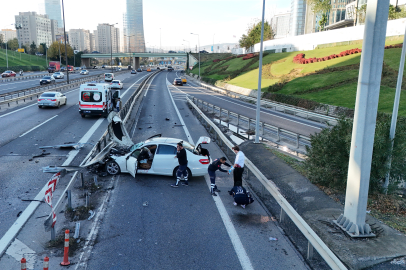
point(96, 41)
point(8, 34)
point(79, 39)
point(134, 40)
point(280, 24)
point(33, 27)
point(91, 42)
point(108, 38)
point(53, 10)
point(297, 18)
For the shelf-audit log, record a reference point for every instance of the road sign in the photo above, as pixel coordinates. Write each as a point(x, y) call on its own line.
point(20, 50)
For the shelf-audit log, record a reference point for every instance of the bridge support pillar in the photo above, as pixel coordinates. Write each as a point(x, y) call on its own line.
point(85, 62)
point(136, 62)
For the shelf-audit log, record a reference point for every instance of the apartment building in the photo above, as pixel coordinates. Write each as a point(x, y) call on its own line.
point(8, 34)
point(108, 38)
point(79, 39)
point(33, 27)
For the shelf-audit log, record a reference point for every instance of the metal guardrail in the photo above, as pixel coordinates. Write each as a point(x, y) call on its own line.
point(314, 240)
point(20, 78)
point(275, 134)
point(124, 114)
point(275, 106)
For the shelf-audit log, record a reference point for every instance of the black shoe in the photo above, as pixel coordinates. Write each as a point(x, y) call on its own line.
point(230, 192)
point(185, 183)
point(217, 190)
point(213, 194)
point(174, 185)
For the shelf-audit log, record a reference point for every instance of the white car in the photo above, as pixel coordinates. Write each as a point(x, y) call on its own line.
point(116, 84)
point(84, 72)
point(52, 99)
point(156, 155)
point(59, 75)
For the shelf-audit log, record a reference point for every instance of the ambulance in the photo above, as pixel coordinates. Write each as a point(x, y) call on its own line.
point(97, 99)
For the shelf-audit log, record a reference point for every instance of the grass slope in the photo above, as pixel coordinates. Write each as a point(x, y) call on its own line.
point(26, 60)
point(331, 82)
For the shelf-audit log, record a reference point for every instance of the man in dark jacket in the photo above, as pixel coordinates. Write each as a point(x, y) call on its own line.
point(213, 167)
point(241, 196)
point(182, 170)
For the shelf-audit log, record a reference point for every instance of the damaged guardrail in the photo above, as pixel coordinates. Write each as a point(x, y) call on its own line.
point(269, 132)
point(124, 114)
point(314, 240)
point(274, 105)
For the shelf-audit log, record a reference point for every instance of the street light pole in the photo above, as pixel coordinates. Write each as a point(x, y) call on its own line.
point(66, 50)
point(198, 41)
point(259, 78)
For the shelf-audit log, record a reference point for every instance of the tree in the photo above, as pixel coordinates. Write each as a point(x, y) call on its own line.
point(12, 44)
point(53, 51)
point(253, 35)
point(33, 48)
point(320, 7)
point(42, 48)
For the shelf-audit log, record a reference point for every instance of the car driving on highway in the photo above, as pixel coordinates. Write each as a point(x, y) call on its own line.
point(152, 156)
point(8, 73)
point(52, 99)
point(84, 72)
point(116, 84)
point(133, 72)
point(177, 81)
point(139, 70)
point(184, 80)
point(47, 79)
point(58, 75)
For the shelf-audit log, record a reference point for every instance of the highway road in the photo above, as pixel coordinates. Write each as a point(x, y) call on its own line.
point(24, 84)
point(184, 228)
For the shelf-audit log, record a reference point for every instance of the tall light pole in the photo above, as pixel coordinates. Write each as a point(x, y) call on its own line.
point(259, 78)
point(6, 47)
point(66, 50)
point(213, 43)
point(198, 40)
point(188, 42)
point(111, 48)
point(160, 39)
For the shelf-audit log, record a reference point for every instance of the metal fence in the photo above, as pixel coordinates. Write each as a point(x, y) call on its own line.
point(269, 132)
point(314, 241)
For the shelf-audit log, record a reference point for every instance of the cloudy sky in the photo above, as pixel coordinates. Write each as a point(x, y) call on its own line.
point(223, 20)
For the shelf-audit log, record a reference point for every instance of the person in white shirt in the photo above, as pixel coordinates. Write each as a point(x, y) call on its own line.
point(238, 166)
point(118, 105)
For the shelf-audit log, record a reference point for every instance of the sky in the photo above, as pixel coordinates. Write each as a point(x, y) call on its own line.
point(166, 23)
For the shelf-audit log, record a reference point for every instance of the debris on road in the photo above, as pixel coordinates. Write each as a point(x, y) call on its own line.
point(167, 119)
point(92, 213)
point(53, 169)
point(41, 155)
point(69, 145)
point(19, 213)
point(273, 239)
point(145, 204)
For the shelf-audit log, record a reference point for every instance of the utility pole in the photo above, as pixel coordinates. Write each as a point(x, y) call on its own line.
point(363, 132)
point(66, 50)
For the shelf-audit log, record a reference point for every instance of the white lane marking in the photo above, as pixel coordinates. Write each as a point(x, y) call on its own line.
point(19, 250)
point(254, 109)
point(232, 233)
point(18, 110)
point(131, 86)
point(146, 92)
point(37, 126)
point(180, 117)
point(72, 154)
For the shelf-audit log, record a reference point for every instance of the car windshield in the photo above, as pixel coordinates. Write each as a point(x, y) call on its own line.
point(47, 77)
point(7, 71)
point(136, 146)
point(48, 95)
point(189, 147)
point(178, 79)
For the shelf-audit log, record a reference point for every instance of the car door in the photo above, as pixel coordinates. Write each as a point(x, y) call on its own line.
point(132, 162)
point(164, 159)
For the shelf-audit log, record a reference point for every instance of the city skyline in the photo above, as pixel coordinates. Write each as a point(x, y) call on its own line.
point(134, 39)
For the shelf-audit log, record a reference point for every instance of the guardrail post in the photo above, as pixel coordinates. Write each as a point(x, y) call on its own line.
point(69, 193)
point(310, 250)
point(212, 108)
point(262, 130)
point(220, 117)
point(282, 216)
point(82, 180)
point(249, 124)
point(228, 119)
point(238, 120)
point(278, 134)
point(297, 140)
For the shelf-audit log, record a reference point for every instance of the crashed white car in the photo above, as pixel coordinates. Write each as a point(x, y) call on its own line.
point(153, 156)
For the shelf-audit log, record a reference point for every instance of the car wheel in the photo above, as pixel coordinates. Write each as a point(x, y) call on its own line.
point(39, 106)
point(59, 105)
point(189, 173)
point(112, 167)
point(83, 116)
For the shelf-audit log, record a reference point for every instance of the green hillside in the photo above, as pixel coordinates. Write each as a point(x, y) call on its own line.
point(331, 82)
point(26, 59)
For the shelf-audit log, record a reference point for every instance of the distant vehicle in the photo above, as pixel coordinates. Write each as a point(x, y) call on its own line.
point(103, 66)
point(170, 68)
point(8, 73)
point(139, 70)
point(77, 68)
point(108, 77)
point(149, 69)
point(204, 51)
point(184, 80)
point(171, 52)
point(47, 80)
point(94, 67)
point(177, 81)
point(84, 72)
point(96, 99)
point(129, 67)
point(52, 99)
point(118, 69)
point(157, 68)
point(54, 66)
point(63, 69)
point(95, 52)
point(70, 69)
point(116, 84)
point(59, 75)
point(133, 71)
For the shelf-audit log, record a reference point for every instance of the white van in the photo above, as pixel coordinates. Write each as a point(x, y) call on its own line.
point(97, 99)
point(108, 77)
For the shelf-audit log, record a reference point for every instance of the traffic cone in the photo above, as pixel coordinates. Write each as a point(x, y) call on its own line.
point(23, 264)
point(66, 249)
point(46, 263)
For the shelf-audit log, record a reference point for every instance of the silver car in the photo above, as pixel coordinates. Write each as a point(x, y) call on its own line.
point(52, 99)
point(116, 84)
point(84, 72)
point(59, 75)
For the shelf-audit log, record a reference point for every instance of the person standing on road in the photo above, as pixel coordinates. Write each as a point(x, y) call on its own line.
point(182, 170)
point(238, 166)
point(213, 167)
point(118, 104)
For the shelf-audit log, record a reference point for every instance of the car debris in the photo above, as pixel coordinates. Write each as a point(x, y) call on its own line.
point(92, 213)
point(65, 145)
point(77, 230)
point(54, 169)
point(41, 155)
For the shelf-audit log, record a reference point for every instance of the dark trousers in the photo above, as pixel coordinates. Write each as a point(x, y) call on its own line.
point(182, 170)
point(212, 175)
point(238, 176)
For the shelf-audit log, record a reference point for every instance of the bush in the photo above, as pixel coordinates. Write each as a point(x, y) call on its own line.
point(328, 157)
point(294, 101)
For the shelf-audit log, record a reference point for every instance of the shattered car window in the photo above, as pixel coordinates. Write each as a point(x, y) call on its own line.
point(135, 146)
point(190, 148)
point(91, 96)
